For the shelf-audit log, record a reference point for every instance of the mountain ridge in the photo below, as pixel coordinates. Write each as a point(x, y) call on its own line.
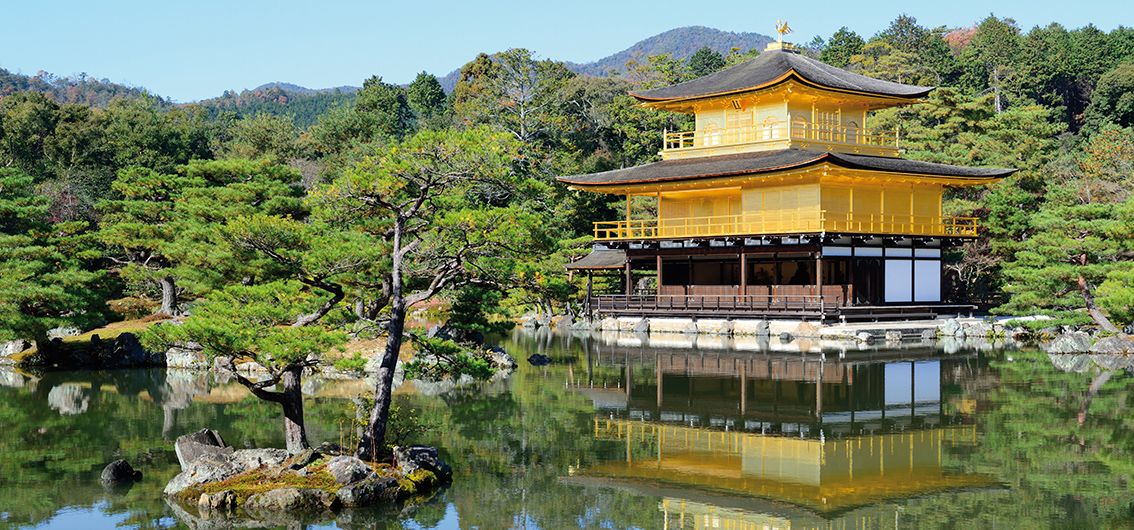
point(305, 104)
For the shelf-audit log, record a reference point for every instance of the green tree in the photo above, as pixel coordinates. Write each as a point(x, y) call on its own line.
point(262, 136)
point(513, 92)
point(141, 132)
point(138, 227)
point(386, 107)
point(434, 200)
point(1112, 101)
point(426, 98)
point(43, 283)
point(704, 62)
point(839, 49)
point(27, 121)
point(1081, 240)
point(991, 59)
point(258, 323)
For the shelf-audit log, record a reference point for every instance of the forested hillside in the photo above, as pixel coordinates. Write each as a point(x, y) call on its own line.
point(303, 105)
point(77, 89)
point(679, 43)
point(186, 205)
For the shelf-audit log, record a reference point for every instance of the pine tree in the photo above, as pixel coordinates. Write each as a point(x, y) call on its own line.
point(44, 283)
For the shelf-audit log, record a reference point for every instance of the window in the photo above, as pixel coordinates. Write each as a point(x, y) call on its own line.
point(852, 133)
point(770, 128)
point(799, 127)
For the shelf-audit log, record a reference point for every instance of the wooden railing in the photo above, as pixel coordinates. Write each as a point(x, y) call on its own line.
point(709, 303)
point(757, 134)
point(758, 223)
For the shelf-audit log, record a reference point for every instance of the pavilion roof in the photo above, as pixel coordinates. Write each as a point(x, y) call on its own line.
point(772, 161)
point(600, 259)
point(773, 67)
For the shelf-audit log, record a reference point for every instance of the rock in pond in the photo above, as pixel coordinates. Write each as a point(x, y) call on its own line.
point(192, 446)
point(1114, 345)
point(368, 492)
point(414, 457)
point(500, 358)
point(253, 458)
point(539, 359)
point(348, 469)
point(206, 468)
point(293, 500)
point(221, 501)
point(1074, 342)
point(119, 473)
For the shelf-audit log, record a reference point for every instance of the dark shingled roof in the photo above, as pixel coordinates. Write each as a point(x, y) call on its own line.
point(600, 259)
point(768, 161)
point(772, 65)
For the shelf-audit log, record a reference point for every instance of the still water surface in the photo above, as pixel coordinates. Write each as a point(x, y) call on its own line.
point(619, 434)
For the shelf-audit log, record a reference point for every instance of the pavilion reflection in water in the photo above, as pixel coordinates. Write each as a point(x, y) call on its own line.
point(776, 440)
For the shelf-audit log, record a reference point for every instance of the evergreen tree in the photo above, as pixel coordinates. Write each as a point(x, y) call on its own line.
point(1112, 101)
point(426, 97)
point(139, 226)
point(44, 283)
point(704, 62)
point(385, 106)
point(839, 49)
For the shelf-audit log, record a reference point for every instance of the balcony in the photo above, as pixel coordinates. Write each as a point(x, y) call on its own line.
point(733, 140)
point(761, 223)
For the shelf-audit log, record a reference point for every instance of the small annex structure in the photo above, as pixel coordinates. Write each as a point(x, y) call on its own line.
point(783, 200)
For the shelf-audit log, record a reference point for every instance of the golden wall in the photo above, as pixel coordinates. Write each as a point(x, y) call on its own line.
point(805, 206)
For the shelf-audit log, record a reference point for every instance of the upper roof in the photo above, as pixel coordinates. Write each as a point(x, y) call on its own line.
point(769, 161)
point(774, 66)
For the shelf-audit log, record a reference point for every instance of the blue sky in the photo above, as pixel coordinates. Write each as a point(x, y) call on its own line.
point(193, 50)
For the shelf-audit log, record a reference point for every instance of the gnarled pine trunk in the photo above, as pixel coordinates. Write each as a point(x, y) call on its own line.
point(1092, 309)
point(291, 398)
point(372, 443)
point(168, 296)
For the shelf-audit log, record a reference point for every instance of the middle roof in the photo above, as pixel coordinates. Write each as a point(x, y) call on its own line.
point(772, 161)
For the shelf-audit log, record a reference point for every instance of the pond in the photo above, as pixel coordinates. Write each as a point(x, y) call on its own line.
point(620, 432)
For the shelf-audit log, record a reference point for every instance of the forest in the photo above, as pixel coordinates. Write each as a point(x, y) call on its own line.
point(283, 239)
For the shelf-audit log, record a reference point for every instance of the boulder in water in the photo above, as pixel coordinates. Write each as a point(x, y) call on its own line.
point(349, 469)
point(539, 359)
point(1074, 342)
point(414, 457)
point(192, 446)
point(292, 500)
point(208, 467)
point(119, 473)
point(1114, 345)
point(368, 491)
point(221, 501)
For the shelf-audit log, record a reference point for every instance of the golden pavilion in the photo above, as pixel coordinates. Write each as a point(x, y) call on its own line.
point(783, 201)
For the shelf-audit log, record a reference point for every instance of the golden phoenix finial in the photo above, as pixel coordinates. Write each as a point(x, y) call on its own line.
point(782, 28)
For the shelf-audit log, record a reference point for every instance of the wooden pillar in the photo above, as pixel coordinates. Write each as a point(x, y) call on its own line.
point(819, 275)
point(590, 292)
point(659, 265)
point(743, 274)
point(629, 279)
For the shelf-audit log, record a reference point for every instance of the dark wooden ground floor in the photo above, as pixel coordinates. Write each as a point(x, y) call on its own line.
point(820, 280)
